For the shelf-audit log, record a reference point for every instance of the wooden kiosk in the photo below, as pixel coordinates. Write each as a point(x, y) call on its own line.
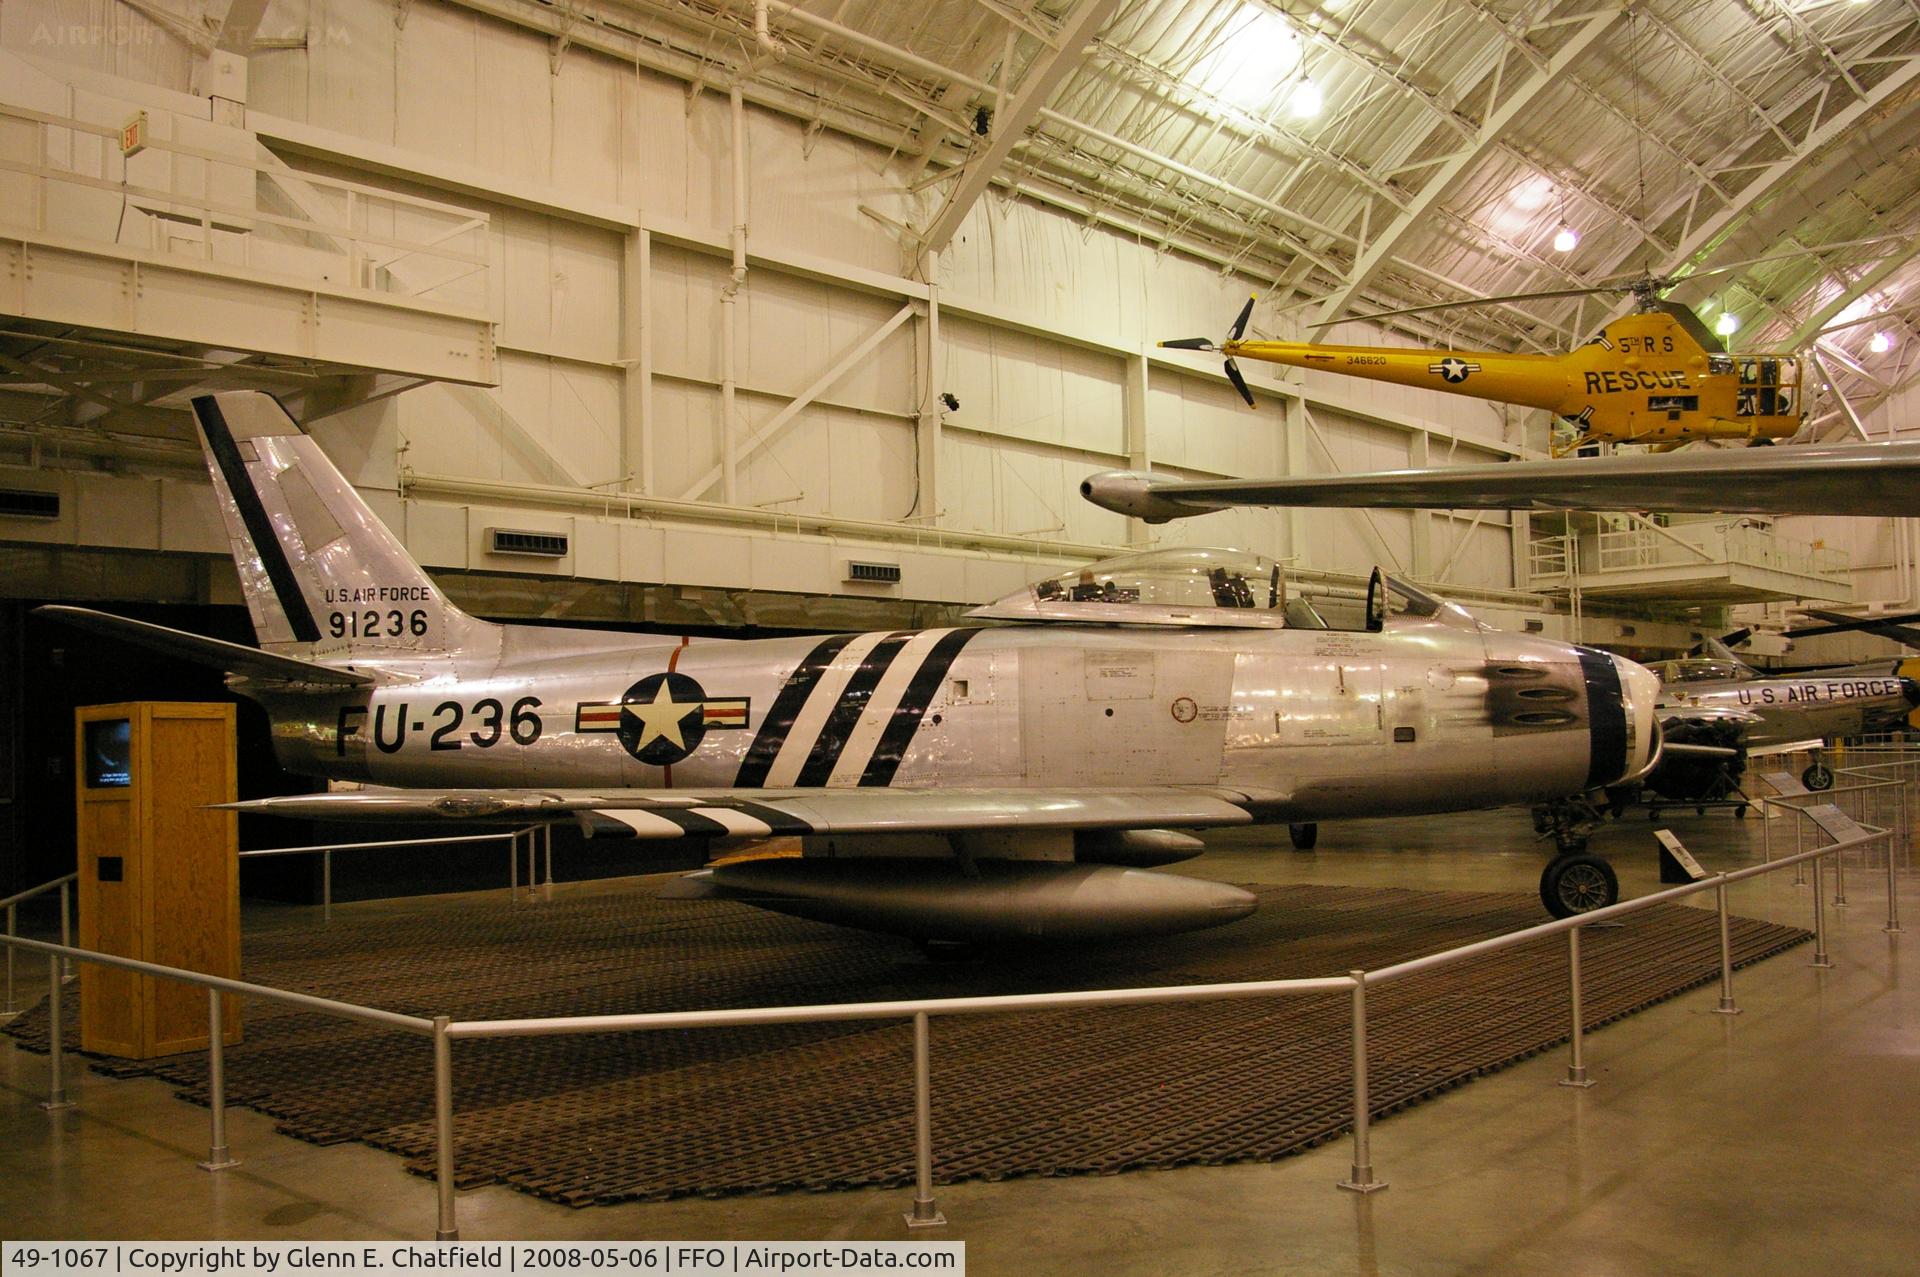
point(159, 873)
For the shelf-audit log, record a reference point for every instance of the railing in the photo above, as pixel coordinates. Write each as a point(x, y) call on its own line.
point(65, 887)
point(539, 837)
point(1550, 559)
point(1645, 544)
point(925, 1212)
point(245, 210)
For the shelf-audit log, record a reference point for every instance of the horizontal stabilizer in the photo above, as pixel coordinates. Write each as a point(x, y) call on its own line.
point(234, 658)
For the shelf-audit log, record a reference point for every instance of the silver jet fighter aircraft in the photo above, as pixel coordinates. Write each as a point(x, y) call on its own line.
point(1011, 777)
point(1720, 700)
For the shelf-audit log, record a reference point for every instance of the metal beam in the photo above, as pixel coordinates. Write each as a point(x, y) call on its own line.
point(1859, 288)
point(1455, 170)
point(239, 25)
point(1770, 178)
point(780, 420)
point(1043, 76)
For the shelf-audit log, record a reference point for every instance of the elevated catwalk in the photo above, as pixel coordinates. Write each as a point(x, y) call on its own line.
point(613, 1118)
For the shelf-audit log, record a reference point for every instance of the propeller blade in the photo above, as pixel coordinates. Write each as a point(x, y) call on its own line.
point(1239, 382)
point(1239, 328)
point(1188, 343)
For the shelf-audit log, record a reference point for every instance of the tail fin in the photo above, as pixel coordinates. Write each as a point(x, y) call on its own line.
point(317, 566)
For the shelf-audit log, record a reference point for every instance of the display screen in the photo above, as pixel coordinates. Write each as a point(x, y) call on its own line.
point(108, 752)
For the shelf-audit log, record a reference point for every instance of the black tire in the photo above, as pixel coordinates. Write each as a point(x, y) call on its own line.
point(1304, 836)
point(1817, 777)
point(1572, 885)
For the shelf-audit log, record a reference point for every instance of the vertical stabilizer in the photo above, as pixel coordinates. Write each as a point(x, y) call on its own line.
point(317, 566)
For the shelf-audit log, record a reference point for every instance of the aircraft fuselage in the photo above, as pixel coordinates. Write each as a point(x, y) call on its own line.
point(1422, 716)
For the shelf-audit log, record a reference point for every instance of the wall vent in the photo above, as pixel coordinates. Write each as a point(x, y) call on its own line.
point(1535, 627)
point(543, 545)
point(873, 573)
point(24, 503)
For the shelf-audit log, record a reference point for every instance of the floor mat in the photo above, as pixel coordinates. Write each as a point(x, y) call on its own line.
point(643, 1116)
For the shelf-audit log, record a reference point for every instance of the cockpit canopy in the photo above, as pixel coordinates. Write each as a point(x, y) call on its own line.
point(1227, 588)
point(1159, 587)
point(1702, 669)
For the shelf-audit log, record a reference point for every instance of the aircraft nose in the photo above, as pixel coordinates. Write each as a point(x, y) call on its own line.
point(1639, 694)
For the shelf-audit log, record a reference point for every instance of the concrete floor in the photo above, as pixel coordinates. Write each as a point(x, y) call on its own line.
point(1780, 1140)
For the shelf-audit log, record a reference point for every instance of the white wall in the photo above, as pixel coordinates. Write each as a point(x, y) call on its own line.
point(1040, 314)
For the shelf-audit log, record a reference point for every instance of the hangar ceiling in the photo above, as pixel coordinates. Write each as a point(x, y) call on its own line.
point(1451, 145)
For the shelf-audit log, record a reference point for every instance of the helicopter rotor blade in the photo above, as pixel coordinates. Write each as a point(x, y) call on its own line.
point(1239, 382)
point(1813, 251)
point(1478, 301)
point(1239, 328)
point(1189, 343)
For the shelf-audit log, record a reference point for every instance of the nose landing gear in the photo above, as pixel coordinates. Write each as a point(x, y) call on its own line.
point(1574, 881)
point(1580, 883)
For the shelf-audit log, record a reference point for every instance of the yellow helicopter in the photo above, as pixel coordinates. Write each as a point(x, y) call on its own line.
point(1655, 375)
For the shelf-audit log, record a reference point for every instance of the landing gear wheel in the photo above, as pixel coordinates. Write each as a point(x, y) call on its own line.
point(1304, 836)
point(1817, 776)
point(1577, 884)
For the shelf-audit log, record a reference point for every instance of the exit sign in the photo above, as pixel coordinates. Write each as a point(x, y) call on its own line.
point(133, 136)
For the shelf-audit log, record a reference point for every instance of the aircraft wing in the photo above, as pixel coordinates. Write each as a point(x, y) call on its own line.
point(234, 658)
point(1866, 479)
point(764, 813)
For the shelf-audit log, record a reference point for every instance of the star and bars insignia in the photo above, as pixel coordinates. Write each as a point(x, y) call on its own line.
point(663, 718)
point(1454, 370)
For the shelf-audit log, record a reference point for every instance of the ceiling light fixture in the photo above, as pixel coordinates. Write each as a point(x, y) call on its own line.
point(1728, 324)
point(1306, 100)
point(1881, 343)
point(1566, 239)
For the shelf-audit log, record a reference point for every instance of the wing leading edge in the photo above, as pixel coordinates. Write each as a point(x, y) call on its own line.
point(776, 813)
point(1870, 480)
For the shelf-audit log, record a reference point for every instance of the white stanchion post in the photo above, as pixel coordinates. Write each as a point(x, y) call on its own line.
point(447, 1228)
point(1726, 1006)
point(218, 1156)
point(1360, 1179)
point(925, 1213)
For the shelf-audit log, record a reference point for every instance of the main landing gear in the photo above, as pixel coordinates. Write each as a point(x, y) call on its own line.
point(1817, 776)
point(1580, 883)
point(1574, 881)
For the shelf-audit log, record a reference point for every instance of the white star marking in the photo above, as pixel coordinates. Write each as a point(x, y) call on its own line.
point(660, 719)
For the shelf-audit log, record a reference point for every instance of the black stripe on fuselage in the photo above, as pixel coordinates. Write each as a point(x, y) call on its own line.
point(273, 556)
point(912, 708)
point(786, 707)
point(1606, 718)
point(838, 728)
